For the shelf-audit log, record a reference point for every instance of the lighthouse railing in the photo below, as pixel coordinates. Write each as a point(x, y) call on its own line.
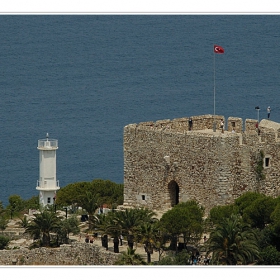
point(47, 143)
point(47, 184)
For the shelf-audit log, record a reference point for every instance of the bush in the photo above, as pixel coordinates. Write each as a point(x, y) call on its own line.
point(182, 258)
point(218, 213)
point(4, 241)
point(270, 256)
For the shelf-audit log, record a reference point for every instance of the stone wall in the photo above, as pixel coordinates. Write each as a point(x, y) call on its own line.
point(74, 254)
point(165, 162)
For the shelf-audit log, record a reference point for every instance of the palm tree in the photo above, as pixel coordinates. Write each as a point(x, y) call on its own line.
point(43, 224)
point(107, 224)
point(130, 258)
point(233, 242)
point(123, 222)
point(23, 222)
point(66, 227)
point(89, 202)
point(130, 219)
point(148, 234)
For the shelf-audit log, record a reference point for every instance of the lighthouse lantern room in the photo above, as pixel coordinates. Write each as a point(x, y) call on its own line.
point(47, 183)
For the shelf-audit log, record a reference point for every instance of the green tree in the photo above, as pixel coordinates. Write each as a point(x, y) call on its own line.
point(16, 205)
point(160, 244)
point(275, 227)
point(246, 200)
point(181, 258)
point(70, 194)
point(108, 192)
point(233, 242)
point(101, 222)
point(23, 222)
point(3, 222)
point(67, 226)
point(89, 202)
point(43, 224)
point(258, 213)
point(185, 218)
point(148, 234)
point(130, 219)
point(107, 224)
point(130, 258)
point(126, 222)
point(32, 203)
point(4, 241)
point(269, 256)
point(218, 213)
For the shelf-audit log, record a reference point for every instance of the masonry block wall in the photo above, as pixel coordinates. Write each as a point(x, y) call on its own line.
point(75, 254)
point(166, 163)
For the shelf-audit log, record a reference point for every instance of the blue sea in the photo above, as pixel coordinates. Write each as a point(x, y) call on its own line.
point(82, 78)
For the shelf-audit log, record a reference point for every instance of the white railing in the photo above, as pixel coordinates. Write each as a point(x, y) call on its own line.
point(47, 143)
point(46, 184)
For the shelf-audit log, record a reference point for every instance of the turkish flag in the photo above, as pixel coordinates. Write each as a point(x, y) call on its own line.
point(218, 49)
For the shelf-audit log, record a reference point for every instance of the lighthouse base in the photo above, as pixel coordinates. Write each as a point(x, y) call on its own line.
point(47, 197)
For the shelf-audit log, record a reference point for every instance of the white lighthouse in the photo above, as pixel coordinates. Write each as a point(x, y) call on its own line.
point(47, 183)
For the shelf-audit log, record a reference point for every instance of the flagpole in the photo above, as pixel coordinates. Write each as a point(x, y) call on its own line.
point(214, 124)
point(216, 49)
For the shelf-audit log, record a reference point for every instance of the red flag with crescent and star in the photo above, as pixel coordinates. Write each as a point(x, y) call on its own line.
point(218, 49)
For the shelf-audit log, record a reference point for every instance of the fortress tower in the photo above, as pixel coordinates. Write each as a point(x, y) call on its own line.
point(47, 183)
point(170, 161)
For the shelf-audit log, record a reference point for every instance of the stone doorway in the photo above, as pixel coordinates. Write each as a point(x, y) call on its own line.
point(173, 190)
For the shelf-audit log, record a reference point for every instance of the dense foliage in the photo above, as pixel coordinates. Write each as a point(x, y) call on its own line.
point(4, 241)
point(186, 219)
point(181, 258)
point(233, 242)
point(130, 257)
point(220, 212)
point(244, 232)
point(105, 192)
point(135, 224)
point(46, 223)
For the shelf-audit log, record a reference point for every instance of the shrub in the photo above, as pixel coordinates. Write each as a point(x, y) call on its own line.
point(4, 240)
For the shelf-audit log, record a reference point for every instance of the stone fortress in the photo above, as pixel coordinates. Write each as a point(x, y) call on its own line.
point(166, 163)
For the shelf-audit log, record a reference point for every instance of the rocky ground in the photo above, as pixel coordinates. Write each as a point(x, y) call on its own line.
point(21, 240)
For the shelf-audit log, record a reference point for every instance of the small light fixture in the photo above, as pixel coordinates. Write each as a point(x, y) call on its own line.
point(167, 159)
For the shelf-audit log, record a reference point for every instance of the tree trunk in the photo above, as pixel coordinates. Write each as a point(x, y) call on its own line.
point(130, 241)
point(173, 243)
point(149, 250)
point(90, 221)
point(148, 257)
point(116, 244)
point(46, 240)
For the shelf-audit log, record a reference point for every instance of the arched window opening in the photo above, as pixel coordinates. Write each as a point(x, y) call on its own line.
point(173, 190)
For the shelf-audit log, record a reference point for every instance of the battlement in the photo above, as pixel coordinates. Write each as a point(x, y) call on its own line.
point(209, 125)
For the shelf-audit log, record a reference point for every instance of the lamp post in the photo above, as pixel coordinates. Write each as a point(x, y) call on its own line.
point(258, 114)
point(54, 205)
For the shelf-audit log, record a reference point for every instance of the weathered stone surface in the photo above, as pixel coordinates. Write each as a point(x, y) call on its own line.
point(74, 254)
